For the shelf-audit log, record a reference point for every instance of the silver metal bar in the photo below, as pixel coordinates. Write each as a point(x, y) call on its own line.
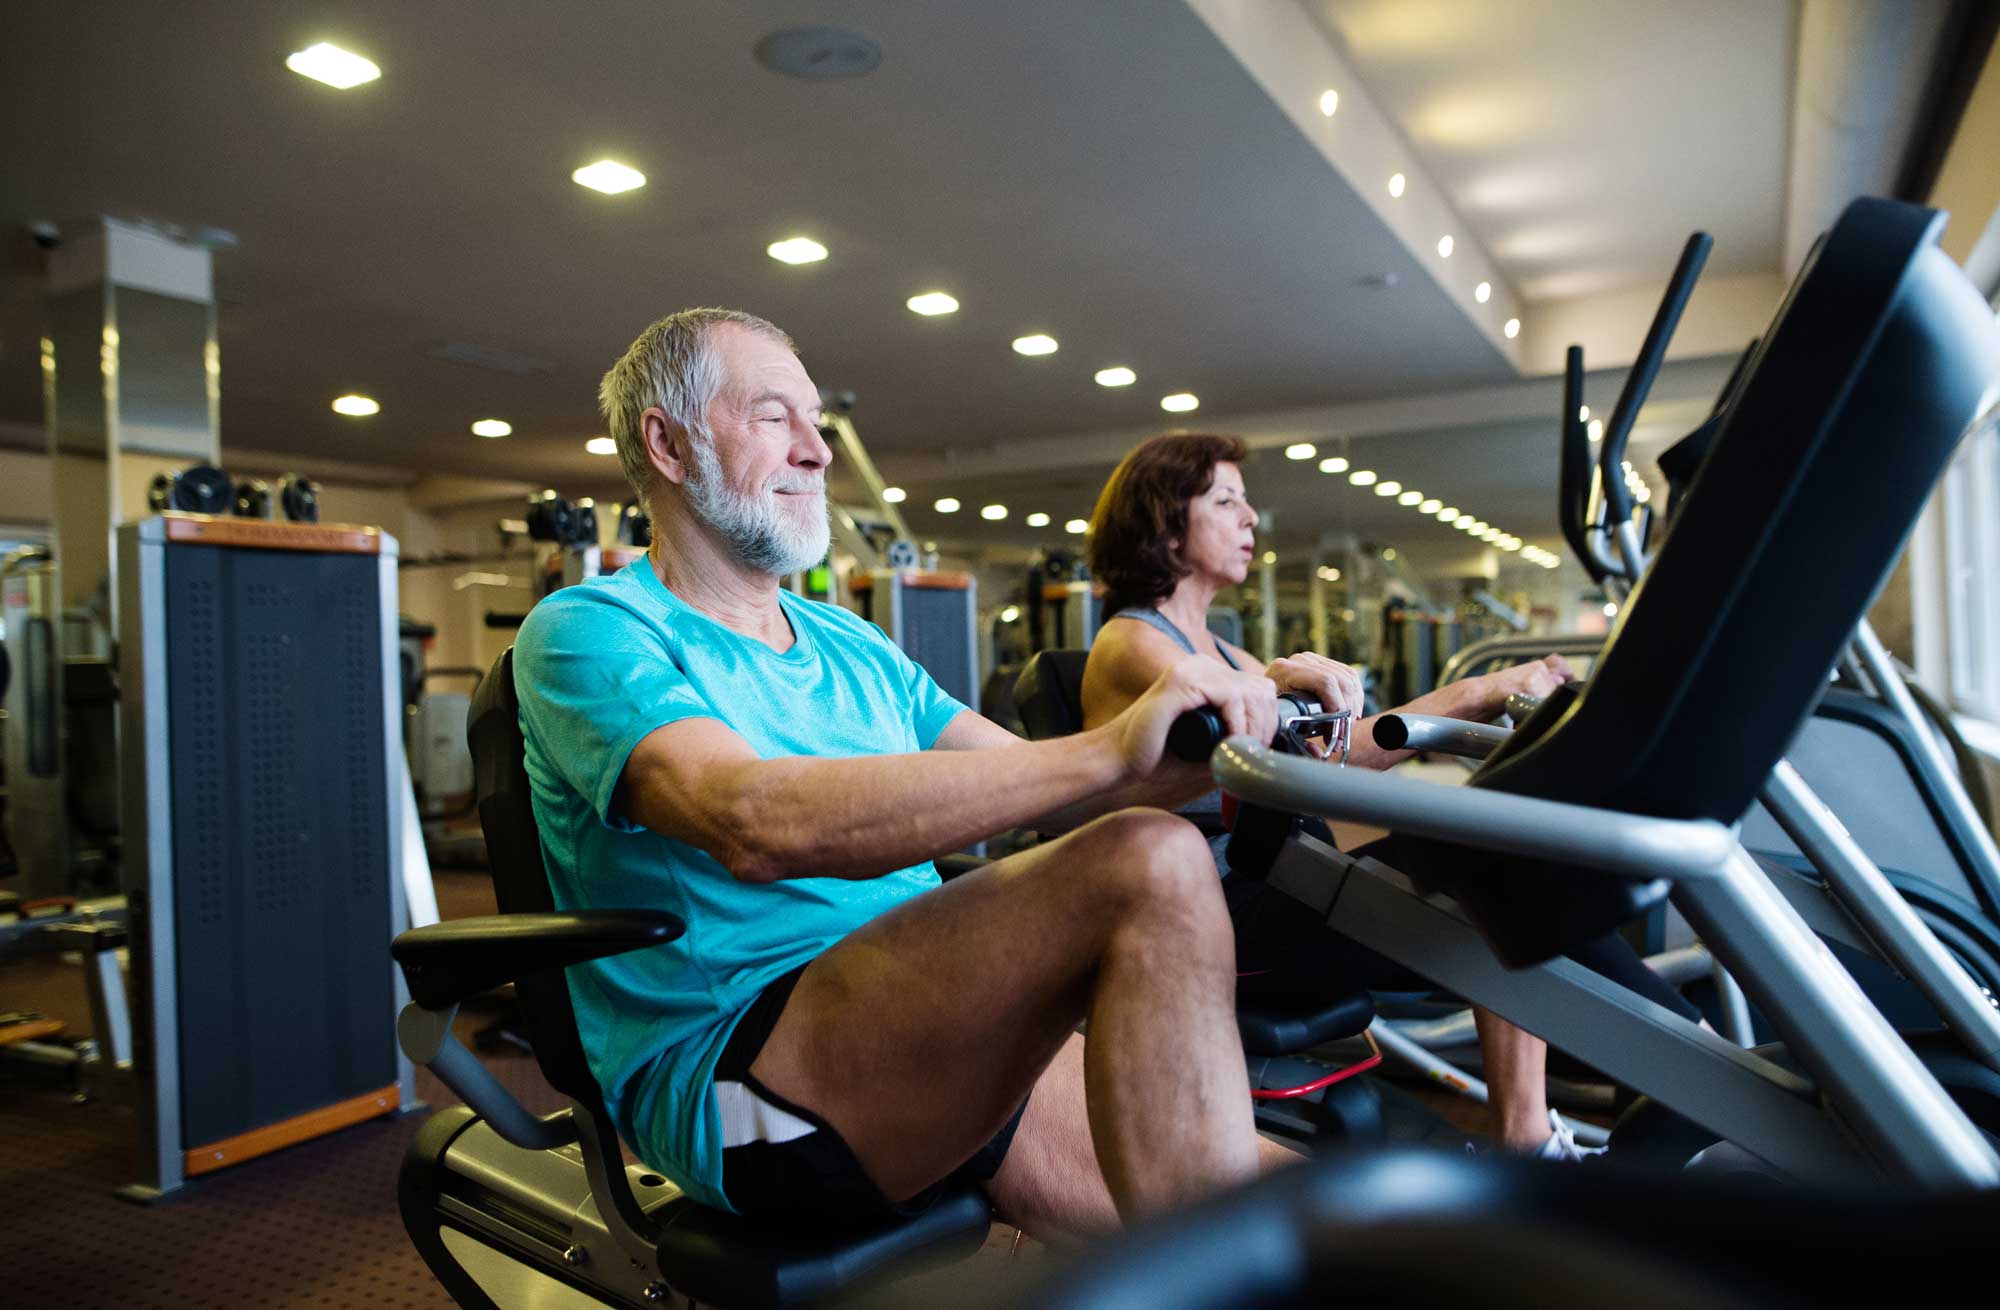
point(398, 798)
point(1890, 686)
point(1630, 551)
point(1895, 932)
point(1736, 1025)
point(1731, 1092)
point(1631, 846)
point(1676, 968)
point(857, 455)
point(1892, 1104)
point(1429, 732)
point(1520, 705)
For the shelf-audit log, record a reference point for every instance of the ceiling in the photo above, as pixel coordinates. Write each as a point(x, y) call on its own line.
point(1581, 143)
point(1107, 173)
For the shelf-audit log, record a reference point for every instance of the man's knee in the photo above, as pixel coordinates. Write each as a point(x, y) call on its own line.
point(1148, 859)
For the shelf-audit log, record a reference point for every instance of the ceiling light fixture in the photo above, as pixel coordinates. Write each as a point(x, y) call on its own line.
point(1410, 498)
point(492, 427)
point(932, 303)
point(608, 176)
point(945, 504)
point(1596, 429)
point(1362, 477)
point(1333, 464)
point(1301, 450)
point(1512, 328)
point(1038, 520)
point(1483, 292)
point(1449, 514)
point(1329, 102)
point(1116, 377)
point(1396, 184)
point(894, 495)
point(1040, 343)
point(993, 513)
point(1444, 247)
point(1389, 488)
point(1583, 414)
point(1180, 402)
point(355, 406)
point(328, 63)
point(796, 250)
point(1011, 613)
point(1270, 557)
point(1076, 527)
point(601, 446)
point(1430, 507)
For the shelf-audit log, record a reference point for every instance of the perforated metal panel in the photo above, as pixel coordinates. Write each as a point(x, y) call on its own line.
point(280, 833)
point(936, 633)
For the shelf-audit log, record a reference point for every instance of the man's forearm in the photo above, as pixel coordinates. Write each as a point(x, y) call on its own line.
point(862, 817)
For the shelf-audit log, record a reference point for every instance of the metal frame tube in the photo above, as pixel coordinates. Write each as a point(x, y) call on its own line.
point(1428, 732)
point(1893, 929)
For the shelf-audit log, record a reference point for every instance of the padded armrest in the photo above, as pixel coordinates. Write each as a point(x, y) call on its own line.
point(445, 963)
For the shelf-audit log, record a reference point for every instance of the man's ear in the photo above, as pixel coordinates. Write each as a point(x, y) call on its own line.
point(666, 445)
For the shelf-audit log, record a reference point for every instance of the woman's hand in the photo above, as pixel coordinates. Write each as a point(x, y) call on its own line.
point(1334, 685)
point(1537, 678)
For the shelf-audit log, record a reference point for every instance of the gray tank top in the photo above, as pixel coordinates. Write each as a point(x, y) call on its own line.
point(1205, 812)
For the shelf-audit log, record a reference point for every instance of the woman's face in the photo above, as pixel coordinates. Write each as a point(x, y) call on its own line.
point(1221, 530)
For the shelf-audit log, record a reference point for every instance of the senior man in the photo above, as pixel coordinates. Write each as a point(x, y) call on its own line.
point(836, 1032)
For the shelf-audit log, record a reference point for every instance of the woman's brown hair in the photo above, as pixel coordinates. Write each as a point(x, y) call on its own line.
point(1141, 516)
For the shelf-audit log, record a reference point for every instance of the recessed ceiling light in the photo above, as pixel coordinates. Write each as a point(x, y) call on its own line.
point(1596, 429)
point(1389, 488)
point(1011, 613)
point(1333, 464)
point(1448, 514)
point(945, 504)
point(1040, 343)
point(932, 303)
point(1610, 610)
point(894, 495)
point(1329, 102)
point(1483, 292)
point(601, 446)
point(1389, 553)
point(993, 513)
point(1116, 377)
point(1396, 184)
point(355, 406)
point(1583, 414)
point(796, 250)
point(1301, 450)
point(1038, 520)
point(1444, 247)
point(1512, 329)
point(492, 427)
point(1430, 507)
point(1076, 527)
point(608, 176)
point(1180, 402)
point(1270, 557)
point(1362, 477)
point(328, 63)
point(1410, 498)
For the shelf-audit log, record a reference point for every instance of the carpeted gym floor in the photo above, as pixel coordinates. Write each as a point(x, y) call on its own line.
point(311, 1226)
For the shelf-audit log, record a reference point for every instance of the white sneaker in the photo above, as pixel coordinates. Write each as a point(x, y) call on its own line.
point(1562, 1144)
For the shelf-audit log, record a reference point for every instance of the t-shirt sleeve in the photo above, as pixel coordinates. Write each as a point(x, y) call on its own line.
point(593, 680)
point(932, 708)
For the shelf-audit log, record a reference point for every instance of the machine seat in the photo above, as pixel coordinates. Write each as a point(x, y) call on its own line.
point(1049, 694)
point(1288, 1025)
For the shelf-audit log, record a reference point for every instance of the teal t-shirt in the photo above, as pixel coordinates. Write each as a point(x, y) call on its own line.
point(599, 666)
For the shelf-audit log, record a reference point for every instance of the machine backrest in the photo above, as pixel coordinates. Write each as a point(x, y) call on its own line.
point(520, 880)
point(1049, 694)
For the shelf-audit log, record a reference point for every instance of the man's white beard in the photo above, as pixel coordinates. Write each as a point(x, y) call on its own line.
point(758, 528)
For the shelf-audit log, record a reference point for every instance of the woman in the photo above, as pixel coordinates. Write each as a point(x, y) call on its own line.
point(1172, 528)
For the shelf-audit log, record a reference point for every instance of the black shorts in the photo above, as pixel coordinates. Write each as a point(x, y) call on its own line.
point(811, 1172)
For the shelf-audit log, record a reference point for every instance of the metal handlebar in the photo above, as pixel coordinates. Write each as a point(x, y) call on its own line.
point(1427, 732)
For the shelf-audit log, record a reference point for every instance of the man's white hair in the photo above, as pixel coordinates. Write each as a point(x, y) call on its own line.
point(672, 366)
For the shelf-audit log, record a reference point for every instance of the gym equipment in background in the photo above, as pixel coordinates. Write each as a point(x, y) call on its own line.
point(196, 489)
point(259, 723)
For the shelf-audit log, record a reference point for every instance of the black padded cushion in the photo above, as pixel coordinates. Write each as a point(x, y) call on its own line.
point(1286, 1025)
point(1049, 694)
point(717, 1258)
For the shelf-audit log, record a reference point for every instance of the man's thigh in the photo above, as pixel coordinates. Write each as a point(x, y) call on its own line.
point(919, 1034)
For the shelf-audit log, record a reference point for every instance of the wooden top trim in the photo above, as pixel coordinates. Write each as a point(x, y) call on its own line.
point(917, 578)
point(266, 534)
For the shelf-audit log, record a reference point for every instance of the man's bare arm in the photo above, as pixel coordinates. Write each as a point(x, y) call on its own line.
point(1168, 789)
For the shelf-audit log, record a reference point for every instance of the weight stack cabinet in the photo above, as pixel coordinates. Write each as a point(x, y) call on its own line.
point(260, 715)
point(933, 617)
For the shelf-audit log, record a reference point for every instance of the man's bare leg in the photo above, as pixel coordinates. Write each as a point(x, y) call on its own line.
point(919, 1034)
point(1049, 1184)
point(1517, 1094)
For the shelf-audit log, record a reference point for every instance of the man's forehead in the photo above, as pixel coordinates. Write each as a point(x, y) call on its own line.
point(756, 362)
